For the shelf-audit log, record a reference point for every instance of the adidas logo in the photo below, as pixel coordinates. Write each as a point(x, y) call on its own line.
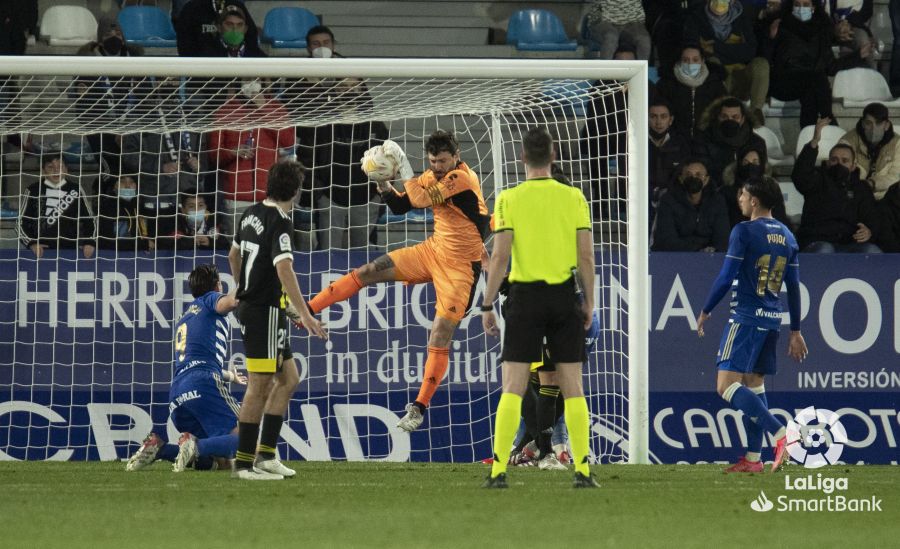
point(431, 379)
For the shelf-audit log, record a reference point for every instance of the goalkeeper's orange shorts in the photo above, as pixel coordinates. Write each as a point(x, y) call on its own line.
point(454, 281)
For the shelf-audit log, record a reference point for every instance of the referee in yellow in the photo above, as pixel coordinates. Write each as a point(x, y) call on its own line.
point(545, 226)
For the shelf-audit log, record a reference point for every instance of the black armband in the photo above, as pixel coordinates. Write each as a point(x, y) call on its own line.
point(487, 308)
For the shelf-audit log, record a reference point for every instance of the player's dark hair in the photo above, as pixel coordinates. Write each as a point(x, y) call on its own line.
point(537, 144)
point(284, 180)
point(319, 29)
point(203, 279)
point(441, 141)
point(765, 189)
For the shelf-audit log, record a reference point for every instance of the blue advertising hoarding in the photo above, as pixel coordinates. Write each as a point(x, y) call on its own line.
point(85, 361)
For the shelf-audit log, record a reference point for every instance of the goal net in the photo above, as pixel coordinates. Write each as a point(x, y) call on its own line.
point(126, 173)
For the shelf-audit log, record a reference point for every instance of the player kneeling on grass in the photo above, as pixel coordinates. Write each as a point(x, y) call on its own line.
point(201, 406)
point(761, 254)
point(542, 414)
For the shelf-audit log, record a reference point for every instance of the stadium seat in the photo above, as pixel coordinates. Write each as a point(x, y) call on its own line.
point(773, 147)
point(287, 27)
point(68, 26)
point(147, 26)
point(653, 74)
point(859, 87)
point(830, 136)
point(538, 30)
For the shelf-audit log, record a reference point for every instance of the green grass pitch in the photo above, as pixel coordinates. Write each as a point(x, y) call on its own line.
point(98, 505)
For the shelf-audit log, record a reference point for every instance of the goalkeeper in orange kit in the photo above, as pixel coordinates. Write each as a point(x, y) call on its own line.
point(451, 257)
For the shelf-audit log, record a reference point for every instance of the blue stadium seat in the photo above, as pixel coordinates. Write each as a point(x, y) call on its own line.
point(147, 26)
point(538, 30)
point(287, 27)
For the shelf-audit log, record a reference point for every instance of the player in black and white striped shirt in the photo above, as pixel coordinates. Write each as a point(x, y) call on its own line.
point(261, 261)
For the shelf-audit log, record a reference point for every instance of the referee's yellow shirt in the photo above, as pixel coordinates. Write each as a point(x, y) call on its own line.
point(545, 216)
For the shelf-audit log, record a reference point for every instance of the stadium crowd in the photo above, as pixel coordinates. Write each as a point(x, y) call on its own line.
point(719, 62)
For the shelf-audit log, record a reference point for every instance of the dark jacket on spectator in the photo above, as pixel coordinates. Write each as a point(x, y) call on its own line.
point(739, 47)
point(682, 227)
point(664, 160)
point(16, 17)
point(118, 226)
point(831, 209)
point(185, 236)
point(689, 104)
point(806, 46)
point(720, 151)
point(889, 215)
point(56, 217)
point(333, 153)
point(198, 34)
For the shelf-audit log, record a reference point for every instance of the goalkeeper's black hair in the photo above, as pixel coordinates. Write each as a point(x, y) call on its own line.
point(203, 279)
point(284, 180)
point(441, 141)
point(765, 189)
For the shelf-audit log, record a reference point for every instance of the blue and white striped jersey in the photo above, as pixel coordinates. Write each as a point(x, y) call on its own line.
point(201, 336)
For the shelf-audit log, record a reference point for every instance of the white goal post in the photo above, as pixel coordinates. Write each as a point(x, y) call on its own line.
point(84, 339)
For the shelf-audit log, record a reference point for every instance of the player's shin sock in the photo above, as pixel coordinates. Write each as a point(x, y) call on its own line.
point(268, 438)
point(168, 452)
point(343, 288)
point(435, 368)
point(248, 434)
point(505, 425)
point(529, 413)
point(755, 433)
point(221, 446)
point(743, 399)
point(546, 417)
point(578, 425)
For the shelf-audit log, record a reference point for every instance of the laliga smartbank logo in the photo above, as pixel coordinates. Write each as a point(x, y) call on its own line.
point(815, 438)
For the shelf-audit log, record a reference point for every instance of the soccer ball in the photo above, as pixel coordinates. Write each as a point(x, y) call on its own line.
point(383, 162)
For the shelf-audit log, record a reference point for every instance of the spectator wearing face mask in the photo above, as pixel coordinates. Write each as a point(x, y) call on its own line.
point(751, 164)
point(692, 216)
point(724, 29)
point(118, 226)
point(105, 98)
point(196, 227)
point(244, 157)
point(690, 89)
point(200, 28)
point(877, 149)
point(234, 37)
point(727, 129)
point(667, 150)
point(802, 59)
point(839, 213)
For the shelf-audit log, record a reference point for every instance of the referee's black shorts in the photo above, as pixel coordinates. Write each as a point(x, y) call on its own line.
point(265, 333)
point(537, 310)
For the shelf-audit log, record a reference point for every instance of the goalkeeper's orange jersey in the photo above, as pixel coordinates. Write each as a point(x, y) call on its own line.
point(460, 215)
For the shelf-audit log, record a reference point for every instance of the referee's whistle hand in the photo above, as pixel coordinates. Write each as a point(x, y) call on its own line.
point(489, 323)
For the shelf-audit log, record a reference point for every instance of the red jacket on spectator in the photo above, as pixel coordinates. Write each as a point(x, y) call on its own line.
point(244, 179)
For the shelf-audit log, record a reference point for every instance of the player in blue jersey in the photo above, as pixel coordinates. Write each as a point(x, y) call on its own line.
point(762, 253)
point(200, 404)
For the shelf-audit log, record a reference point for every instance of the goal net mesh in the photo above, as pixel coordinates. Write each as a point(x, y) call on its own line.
point(86, 348)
